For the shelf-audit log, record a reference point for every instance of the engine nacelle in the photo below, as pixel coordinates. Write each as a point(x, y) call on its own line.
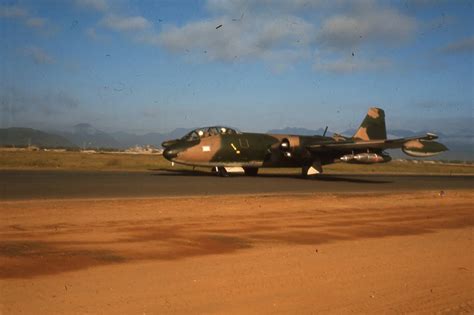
point(366, 158)
point(289, 145)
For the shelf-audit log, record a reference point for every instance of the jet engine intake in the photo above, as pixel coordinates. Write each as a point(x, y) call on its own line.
point(285, 147)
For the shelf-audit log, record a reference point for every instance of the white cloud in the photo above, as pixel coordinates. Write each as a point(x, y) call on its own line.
point(228, 5)
point(350, 65)
point(371, 25)
point(97, 5)
point(21, 14)
point(13, 11)
point(283, 59)
point(236, 7)
point(277, 32)
point(258, 37)
point(91, 32)
point(274, 30)
point(464, 45)
point(125, 23)
point(38, 55)
point(36, 22)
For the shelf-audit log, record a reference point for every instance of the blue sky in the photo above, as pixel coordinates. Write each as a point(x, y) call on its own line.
point(142, 66)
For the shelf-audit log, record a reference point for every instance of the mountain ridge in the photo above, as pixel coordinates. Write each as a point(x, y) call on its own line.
point(84, 135)
point(19, 136)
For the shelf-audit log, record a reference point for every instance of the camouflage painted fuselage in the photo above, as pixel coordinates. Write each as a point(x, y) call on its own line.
point(252, 150)
point(224, 147)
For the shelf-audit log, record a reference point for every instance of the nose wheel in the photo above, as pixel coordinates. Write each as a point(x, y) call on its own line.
point(221, 171)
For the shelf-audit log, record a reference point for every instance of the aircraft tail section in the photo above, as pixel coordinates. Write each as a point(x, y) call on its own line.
point(373, 126)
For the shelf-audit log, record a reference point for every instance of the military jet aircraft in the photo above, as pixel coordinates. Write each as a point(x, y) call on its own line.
point(227, 150)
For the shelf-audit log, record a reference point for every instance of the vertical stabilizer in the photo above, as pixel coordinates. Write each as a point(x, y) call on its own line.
point(373, 126)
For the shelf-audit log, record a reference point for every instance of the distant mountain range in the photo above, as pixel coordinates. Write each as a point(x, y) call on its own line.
point(27, 136)
point(300, 131)
point(127, 140)
point(86, 136)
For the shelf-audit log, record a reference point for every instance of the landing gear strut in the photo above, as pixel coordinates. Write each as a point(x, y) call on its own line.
point(222, 172)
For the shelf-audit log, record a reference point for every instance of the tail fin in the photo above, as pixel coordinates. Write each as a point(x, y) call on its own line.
point(373, 126)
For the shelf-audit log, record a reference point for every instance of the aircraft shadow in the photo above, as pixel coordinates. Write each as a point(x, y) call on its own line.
point(168, 172)
point(325, 177)
point(329, 178)
point(344, 178)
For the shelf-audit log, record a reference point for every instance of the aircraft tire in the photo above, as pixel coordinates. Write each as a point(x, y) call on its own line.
point(222, 172)
point(251, 171)
point(304, 172)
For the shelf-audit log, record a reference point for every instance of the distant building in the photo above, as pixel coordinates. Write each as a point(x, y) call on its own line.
point(146, 149)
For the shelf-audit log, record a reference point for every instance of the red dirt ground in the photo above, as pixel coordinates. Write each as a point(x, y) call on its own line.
point(319, 253)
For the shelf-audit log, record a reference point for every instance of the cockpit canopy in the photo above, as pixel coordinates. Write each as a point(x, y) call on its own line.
point(208, 131)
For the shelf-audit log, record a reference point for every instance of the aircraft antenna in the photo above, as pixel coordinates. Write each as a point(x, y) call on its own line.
point(325, 130)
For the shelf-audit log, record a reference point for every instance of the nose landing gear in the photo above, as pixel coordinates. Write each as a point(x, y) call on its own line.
point(221, 171)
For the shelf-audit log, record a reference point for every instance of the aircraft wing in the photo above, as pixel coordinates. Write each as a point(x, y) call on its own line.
point(414, 146)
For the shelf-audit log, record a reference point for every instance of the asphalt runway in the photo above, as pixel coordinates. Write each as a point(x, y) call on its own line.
point(15, 185)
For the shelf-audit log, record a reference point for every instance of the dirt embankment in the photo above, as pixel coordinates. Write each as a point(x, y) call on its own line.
point(354, 253)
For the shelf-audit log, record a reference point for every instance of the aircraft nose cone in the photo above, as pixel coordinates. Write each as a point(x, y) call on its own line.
point(170, 154)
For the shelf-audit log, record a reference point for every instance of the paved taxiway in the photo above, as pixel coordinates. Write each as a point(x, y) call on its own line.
point(85, 184)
